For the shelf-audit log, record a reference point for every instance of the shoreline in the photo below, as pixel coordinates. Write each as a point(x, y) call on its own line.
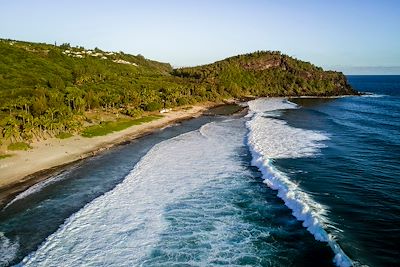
point(52, 156)
point(23, 170)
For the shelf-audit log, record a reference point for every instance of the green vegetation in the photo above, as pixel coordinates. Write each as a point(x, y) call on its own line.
point(228, 109)
point(105, 128)
point(48, 90)
point(19, 146)
point(3, 156)
point(265, 73)
point(64, 135)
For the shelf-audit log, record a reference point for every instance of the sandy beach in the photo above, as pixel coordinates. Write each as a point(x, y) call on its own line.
point(26, 168)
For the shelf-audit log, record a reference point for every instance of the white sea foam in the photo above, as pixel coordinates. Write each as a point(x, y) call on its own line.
point(269, 139)
point(8, 250)
point(373, 95)
point(38, 187)
point(124, 225)
point(169, 126)
point(274, 138)
point(259, 105)
point(121, 227)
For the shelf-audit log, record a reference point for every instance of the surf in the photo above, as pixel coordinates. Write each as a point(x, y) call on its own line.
point(125, 224)
point(269, 138)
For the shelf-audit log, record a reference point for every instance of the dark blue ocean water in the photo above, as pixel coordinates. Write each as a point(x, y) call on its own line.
point(190, 195)
point(357, 176)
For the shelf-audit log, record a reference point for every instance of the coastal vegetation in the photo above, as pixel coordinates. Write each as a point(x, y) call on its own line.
point(266, 73)
point(64, 135)
point(49, 90)
point(107, 127)
point(227, 109)
point(3, 156)
point(19, 146)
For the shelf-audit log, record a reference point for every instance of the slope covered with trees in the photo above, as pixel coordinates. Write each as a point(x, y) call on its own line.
point(47, 90)
point(265, 73)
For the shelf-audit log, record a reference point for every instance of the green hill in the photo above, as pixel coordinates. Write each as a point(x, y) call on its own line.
point(268, 74)
point(47, 90)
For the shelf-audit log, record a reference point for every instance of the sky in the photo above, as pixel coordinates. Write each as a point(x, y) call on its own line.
point(354, 36)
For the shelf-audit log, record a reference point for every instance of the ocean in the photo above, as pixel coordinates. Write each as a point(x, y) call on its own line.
point(295, 182)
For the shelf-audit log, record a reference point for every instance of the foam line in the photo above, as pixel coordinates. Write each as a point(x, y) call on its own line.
point(125, 224)
point(8, 250)
point(38, 187)
point(270, 138)
point(373, 95)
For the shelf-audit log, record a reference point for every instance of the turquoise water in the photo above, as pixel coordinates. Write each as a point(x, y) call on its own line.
point(310, 182)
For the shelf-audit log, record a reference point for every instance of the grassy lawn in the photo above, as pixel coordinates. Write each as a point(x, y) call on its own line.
point(64, 135)
point(19, 146)
point(3, 156)
point(107, 127)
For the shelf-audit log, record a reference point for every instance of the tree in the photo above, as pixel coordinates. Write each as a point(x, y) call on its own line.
point(56, 82)
point(11, 129)
point(51, 112)
point(65, 46)
point(91, 100)
point(39, 105)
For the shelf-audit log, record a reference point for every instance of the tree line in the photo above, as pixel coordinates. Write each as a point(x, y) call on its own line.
point(45, 92)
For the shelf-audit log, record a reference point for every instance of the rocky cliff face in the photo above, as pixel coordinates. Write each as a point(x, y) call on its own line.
point(260, 64)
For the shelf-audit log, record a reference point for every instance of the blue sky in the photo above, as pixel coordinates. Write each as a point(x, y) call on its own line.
point(353, 36)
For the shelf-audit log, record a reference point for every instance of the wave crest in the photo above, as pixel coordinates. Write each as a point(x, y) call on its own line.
point(8, 250)
point(270, 138)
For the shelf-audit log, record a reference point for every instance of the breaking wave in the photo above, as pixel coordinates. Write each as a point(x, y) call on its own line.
point(8, 249)
point(373, 95)
point(38, 187)
point(123, 226)
point(270, 138)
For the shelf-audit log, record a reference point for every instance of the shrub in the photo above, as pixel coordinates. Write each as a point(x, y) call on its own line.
point(64, 135)
point(3, 156)
point(153, 106)
point(133, 112)
point(19, 146)
point(182, 101)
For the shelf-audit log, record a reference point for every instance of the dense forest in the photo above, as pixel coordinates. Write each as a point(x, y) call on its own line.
point(265, 73)
point(47, 90)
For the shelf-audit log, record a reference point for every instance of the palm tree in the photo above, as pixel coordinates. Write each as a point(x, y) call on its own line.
point(38, 127)
point(23, 103)
point(27, 132)
point(51, 112)
point(69, 99)
point(11, 129)
point(7, 106)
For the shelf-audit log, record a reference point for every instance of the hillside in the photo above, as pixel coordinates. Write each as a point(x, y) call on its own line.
point(268, 74)
point(47, 90)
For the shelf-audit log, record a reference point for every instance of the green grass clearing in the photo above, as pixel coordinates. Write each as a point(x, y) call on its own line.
point(3, 156)
point(108, 127)
point(64, 135)
point(19, 146)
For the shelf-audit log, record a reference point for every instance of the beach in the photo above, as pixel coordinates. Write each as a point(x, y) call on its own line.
point(25, 168)
point(285, 177)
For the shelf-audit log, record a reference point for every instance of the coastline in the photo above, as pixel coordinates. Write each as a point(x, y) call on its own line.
point(52, 156)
